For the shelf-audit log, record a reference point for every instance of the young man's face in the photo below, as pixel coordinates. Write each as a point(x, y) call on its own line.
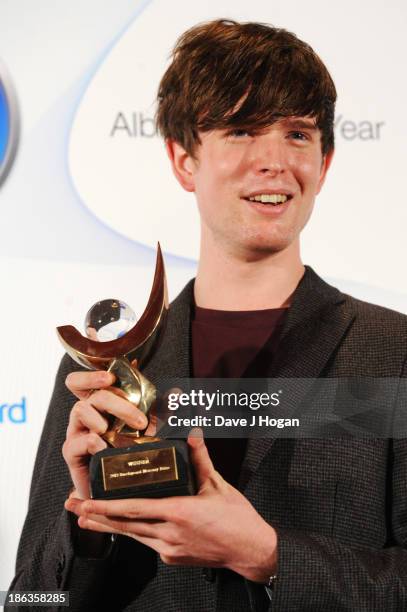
point(281, 165)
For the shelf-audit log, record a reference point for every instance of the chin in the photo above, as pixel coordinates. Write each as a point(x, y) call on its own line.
point(269, 244)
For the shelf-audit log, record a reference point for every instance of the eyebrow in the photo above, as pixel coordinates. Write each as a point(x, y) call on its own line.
point(300, 124)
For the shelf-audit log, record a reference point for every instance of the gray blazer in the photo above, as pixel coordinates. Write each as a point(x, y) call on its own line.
point(339, 505)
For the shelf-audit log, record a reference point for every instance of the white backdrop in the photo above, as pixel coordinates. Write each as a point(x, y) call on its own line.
point(90, 191)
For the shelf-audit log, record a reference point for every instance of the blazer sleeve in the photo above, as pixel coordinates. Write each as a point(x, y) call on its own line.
point(318, 573)
point(47, 558)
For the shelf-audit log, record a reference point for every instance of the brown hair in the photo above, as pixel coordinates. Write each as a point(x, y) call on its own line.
point(227, 75)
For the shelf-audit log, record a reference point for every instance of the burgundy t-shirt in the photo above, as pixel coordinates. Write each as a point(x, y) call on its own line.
point(233, 344)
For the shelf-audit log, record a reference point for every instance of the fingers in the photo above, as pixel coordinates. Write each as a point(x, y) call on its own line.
point(159, 413)
point(140, 509)
point(86, 413)
point(152, 425)
point(77, 448)
point(82, 384)
point(131, 528)
point(114, 404)
point(84, 417)
point(199, 456)
point(90, 418)
point(76, 451)
point(120, 525)
point(91, 388)
point(153, 533)
point(93, 525)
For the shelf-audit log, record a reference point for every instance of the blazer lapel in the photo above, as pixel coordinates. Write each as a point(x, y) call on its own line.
point(316, 322)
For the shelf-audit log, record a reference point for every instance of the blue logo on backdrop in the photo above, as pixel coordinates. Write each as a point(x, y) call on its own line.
point(15, 413)
point(9, 123)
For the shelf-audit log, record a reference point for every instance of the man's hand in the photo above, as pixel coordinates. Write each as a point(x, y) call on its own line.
point(88, 421)
point(216, 528)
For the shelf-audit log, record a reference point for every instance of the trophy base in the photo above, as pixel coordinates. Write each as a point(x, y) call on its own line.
point(151, 469)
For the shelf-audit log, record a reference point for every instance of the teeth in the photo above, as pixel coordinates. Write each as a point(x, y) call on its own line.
point(272, 198)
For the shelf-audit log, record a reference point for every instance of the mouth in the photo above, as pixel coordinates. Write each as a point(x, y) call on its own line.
point(269, 199)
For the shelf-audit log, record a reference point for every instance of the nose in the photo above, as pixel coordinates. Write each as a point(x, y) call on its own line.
point(269, 155)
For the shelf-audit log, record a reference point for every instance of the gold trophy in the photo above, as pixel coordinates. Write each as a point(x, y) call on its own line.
point(133, 465)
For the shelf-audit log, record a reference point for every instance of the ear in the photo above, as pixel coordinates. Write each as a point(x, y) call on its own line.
point(183, 165)
point(326, 162)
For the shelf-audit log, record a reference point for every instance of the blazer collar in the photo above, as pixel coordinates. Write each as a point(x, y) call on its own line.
point(316, 321)
point(172, 360)
point(317, 318)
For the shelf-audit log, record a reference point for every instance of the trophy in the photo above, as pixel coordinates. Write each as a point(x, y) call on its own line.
point(133, 465)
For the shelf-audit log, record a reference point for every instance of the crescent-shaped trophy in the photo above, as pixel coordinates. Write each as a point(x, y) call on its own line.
point(124, 355)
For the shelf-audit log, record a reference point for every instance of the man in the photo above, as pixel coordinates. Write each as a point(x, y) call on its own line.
point(247, 113)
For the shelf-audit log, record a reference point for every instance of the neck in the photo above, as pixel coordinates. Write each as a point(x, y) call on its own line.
point(228, 282)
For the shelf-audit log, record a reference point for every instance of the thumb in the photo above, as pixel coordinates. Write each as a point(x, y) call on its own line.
point(199, 456)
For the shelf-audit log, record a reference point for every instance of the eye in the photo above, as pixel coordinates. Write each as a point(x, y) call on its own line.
point(299, 135)
point(239, 133)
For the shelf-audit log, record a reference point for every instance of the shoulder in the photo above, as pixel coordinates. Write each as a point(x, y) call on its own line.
point(377, 339)
point(380, 318)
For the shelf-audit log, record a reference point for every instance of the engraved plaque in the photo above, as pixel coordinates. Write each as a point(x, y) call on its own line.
point(139, 468)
